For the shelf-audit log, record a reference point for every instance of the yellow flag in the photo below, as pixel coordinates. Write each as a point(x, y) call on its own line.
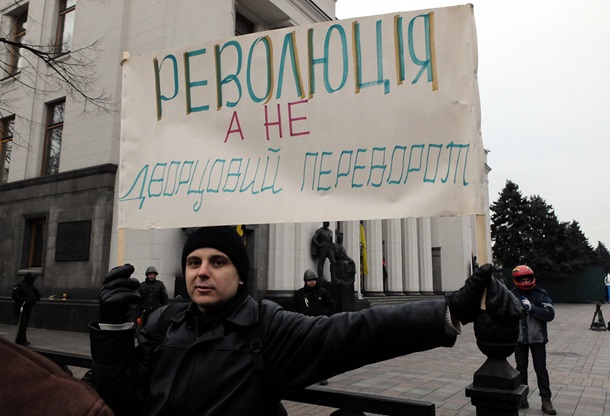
point(365, 262)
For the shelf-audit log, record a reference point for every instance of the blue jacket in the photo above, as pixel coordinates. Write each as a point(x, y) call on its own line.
point(533, 325)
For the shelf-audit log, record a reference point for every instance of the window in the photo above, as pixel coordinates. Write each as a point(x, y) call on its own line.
point(33, 243)
point(16, 33)
point(52, 141)
point(65, 26)
point(6, 146)
point(242, 25)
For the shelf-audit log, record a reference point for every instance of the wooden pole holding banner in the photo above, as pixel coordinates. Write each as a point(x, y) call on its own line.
point(121, 247)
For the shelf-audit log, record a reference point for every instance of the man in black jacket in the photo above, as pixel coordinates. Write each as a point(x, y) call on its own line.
point(227, 354)
point(25, 295)
point(153, 292)
point(313, 300)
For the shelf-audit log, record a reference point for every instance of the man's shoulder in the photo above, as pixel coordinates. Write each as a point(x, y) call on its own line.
point(160, 318)
point(267, 303)
point(542, 291)
point(268, 307)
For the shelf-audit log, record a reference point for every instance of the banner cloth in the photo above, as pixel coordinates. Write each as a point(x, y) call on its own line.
point(369, 118)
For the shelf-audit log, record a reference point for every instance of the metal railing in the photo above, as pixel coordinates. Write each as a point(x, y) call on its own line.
point(381, 405)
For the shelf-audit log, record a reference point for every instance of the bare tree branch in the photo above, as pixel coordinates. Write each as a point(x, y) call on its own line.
point(74, 71)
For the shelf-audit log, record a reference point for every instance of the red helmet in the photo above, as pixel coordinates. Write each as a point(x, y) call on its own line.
point(521, 272)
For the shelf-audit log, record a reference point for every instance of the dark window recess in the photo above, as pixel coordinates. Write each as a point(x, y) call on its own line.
point(33, 243)
point(73, 241)
point(242, 25)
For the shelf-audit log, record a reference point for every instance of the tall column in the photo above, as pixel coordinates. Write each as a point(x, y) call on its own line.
point(410, 258)
point(281, 259)
point(393, 256)
point(425, 256)
point(351, 242)
point(302, 253)
point(373, 282)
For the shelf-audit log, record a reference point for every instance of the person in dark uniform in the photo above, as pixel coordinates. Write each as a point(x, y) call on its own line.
point(313, 300)
point(25, 295)
point(153, 292)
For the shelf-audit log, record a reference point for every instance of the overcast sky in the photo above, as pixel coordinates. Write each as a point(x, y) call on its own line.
point(544, 82)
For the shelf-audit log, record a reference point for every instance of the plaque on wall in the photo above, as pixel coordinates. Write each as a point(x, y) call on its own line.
point(73, 240)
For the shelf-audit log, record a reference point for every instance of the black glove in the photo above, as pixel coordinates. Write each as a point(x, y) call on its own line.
point(118, 293)
point(465, 304)
point(500, 303)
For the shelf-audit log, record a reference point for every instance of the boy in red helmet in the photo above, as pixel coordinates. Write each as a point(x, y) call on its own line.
point(533, 334)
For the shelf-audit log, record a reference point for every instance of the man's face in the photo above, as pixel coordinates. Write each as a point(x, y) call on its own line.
point(311, 283)
point(211, 278)
point(151, 276)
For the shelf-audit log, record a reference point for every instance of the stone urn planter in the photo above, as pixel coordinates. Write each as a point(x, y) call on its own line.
point(496, 389)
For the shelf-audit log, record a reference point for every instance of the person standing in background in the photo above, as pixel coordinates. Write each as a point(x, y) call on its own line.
point(313, 300)
point(25, 295)
point(153, 292)
point(533, 335)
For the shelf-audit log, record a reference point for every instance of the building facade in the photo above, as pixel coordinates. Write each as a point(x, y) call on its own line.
point(60, 150)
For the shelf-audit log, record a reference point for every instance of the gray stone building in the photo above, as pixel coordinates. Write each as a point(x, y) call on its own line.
point(59, 155)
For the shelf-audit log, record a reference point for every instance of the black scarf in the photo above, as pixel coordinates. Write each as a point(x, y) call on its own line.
point(218, 314)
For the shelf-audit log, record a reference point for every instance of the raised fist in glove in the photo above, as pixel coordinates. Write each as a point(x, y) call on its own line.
point(119, 292)
point(501, 303)
point(465, 304)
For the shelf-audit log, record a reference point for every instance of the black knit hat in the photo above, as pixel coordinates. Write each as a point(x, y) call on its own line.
point(222, 238)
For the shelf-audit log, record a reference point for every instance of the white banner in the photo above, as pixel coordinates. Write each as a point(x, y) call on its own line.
point(377, 117)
